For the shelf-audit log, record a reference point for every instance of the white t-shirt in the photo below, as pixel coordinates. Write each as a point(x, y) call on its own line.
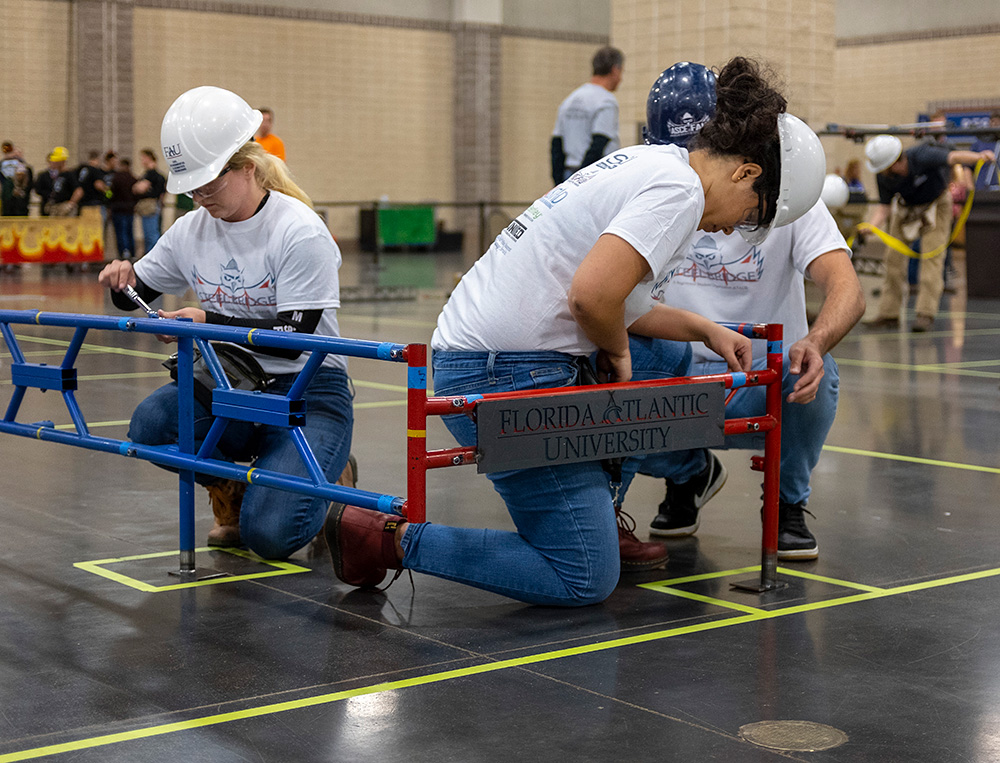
point(587, 110)
point(282, 258)
point(515, 298)
point(726, 279)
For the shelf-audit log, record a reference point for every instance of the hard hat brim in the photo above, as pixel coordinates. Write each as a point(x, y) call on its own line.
point(190, 180)
point(877, 168)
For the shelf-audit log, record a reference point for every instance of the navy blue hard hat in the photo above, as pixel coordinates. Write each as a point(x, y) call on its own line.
point(680, 102)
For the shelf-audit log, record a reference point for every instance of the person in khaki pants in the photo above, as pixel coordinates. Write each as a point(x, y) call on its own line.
point(914, 198)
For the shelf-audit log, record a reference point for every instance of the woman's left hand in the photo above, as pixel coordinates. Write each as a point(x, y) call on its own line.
point(734, 348)
point(195, 314)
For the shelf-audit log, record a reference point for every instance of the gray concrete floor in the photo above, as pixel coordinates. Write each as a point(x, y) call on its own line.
point(890, 636)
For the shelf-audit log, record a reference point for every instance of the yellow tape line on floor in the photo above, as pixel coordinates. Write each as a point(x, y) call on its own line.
point(93, 347)
point(492, 667)
point(912, 459)
point(927, 368)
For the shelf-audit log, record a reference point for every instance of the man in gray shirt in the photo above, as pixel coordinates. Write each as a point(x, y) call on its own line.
point(587, 125)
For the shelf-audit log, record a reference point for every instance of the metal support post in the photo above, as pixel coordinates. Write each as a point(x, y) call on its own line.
point(772, 469)
point(415, 507)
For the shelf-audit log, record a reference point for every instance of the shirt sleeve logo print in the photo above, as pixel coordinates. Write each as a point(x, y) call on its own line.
point(232, 288)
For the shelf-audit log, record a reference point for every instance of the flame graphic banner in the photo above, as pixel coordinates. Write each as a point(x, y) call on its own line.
point(52, 239)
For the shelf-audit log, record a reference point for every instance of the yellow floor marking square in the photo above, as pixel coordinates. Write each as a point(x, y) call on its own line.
point(833, 581)
point(670, 587)
point(100, 567)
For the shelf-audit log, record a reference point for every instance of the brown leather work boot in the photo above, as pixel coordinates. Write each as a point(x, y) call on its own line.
point(362, 544)
point(226, 497)
point(349, 477)
point(637, 555)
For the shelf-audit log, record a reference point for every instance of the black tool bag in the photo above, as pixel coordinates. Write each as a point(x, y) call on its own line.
point(241, 368)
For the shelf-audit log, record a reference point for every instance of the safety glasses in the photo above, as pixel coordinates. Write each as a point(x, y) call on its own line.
point(211, 188)
point(753, 216)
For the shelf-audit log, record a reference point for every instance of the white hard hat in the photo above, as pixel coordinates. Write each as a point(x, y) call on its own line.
point(882, 152)
point(835, 192)
point(201, 130)
point(803, 165)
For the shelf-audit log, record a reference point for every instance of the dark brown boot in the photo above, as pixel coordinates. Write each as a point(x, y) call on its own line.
point(637, 555)
point(226, 497)
point(362, 544)
point(349, 477)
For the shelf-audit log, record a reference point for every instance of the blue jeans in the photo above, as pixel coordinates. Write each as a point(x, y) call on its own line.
point(804, 427)
point(123, 223)
point(150, 231)
point(273, 523)
point(565, 550)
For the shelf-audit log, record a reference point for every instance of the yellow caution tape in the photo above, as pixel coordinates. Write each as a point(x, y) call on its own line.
point(900, 246)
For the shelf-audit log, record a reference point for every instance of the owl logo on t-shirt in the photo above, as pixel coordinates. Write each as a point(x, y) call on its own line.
point(232, 287)
point(232, 277)
point(721, 264)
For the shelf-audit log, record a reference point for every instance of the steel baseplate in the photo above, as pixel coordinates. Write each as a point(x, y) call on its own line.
point(758, 586)
point(768, 580)
point(202, 573)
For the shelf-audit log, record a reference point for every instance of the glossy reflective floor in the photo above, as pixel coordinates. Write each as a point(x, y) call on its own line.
point(891, 637)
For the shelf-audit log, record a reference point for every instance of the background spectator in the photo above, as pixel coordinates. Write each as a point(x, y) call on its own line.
point(852, 176)
point(90, 181)
point(123, 209)
point(587, 124)
point(915, 201)
point(267, 139)
point(15, 181)
point(56, 186)
point(149, 196)
point(988, 178)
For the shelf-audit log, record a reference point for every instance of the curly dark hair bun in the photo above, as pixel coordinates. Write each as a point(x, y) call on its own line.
point(746, 124)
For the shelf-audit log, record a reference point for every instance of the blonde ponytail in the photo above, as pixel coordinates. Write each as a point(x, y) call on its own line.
point(269, 171)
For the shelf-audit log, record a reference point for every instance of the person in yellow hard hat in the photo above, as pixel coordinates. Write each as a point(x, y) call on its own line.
point(57, 186)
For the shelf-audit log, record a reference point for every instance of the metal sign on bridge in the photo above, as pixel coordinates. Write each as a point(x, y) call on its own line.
point(591, 426)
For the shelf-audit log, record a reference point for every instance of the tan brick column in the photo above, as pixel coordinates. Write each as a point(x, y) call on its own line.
point(476, 122)
point(102, 48)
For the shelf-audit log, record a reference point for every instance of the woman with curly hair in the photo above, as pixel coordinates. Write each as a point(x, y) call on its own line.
point(571, 277)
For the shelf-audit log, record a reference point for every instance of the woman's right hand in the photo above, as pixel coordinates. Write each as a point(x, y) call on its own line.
point(734, 348)
point(613, 368)
point(117, 275)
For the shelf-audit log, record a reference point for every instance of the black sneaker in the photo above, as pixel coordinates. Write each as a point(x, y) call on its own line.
point(795, 542)
point(679, 511)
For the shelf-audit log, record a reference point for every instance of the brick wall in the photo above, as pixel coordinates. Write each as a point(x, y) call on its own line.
point(37, 76)
point(796, 39)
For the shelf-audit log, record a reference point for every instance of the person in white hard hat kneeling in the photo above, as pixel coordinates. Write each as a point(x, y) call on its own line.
point(726, 278)
point(915, 201)
point(256, 255)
